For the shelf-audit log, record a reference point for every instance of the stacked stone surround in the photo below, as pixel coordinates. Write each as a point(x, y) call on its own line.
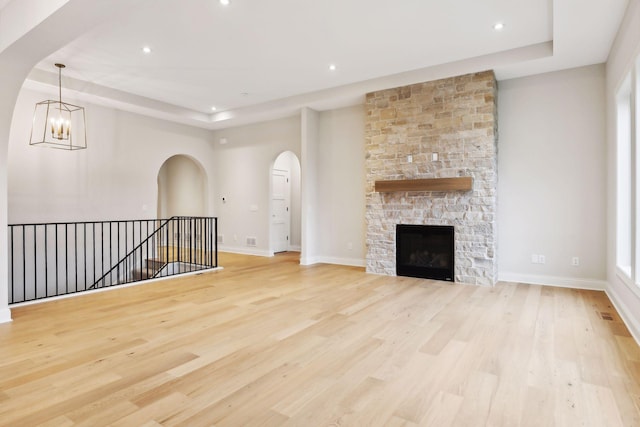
point(457, 119)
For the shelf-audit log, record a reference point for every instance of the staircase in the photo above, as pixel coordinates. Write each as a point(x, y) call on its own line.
point(149, 271)
point(179, 245)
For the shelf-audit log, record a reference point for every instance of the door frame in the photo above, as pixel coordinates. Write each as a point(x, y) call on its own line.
point(294, 158)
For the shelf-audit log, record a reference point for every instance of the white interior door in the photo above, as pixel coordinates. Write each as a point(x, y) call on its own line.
point(280, 215)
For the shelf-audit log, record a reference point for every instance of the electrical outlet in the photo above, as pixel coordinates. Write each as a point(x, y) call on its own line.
point(350, 246)
point(575, 261)
point(538, 259)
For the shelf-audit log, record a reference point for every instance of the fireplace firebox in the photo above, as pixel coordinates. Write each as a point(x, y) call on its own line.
point(425, 251)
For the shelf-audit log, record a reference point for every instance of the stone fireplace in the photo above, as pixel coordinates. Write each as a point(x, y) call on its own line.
point(441, 129)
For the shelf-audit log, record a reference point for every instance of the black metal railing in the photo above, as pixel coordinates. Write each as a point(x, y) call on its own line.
point(53, 259)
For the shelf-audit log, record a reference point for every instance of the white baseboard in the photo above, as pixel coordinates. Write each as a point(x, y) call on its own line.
point(5, 315)
point(354, 262)
point(244, 250)
point(294, 248)
point(562, 282)
point(630, 321)
point(309, 260)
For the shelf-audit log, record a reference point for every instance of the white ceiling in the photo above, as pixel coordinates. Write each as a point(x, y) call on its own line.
point(257, 59)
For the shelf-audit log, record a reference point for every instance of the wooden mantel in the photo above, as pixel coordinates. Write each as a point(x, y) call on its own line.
point(463, 183)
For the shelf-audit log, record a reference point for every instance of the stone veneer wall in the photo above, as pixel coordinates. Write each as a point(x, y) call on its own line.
point(456, 118)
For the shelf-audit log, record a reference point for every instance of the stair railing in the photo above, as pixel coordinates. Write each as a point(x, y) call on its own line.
point(125, 262)
point(53, 259)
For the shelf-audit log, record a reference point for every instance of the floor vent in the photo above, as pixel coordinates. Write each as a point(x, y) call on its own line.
point(251, 241)
point(606, 316)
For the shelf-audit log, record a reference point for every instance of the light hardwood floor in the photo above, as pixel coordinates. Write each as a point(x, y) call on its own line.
point(268, 342)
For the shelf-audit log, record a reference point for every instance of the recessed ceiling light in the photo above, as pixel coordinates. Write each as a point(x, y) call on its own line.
point(332, 67)
point(213, 108)
point(146, 49)
point(225, 2)
point(498, 26)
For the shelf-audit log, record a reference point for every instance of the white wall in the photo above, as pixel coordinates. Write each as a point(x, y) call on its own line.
point(330, 146)
point(310, 147)
point(114, 178)
point(341, 189)
point(243, 170)
point(551, 178)
point(625, 51)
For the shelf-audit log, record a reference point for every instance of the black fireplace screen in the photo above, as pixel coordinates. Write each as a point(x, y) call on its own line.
point(425, 251)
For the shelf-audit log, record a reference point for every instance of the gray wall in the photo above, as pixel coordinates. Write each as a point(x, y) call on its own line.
point(552, 178)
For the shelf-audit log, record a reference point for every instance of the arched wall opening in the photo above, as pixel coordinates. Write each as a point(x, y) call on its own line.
point(182, 188)
point(285, 216)
point(28, 40)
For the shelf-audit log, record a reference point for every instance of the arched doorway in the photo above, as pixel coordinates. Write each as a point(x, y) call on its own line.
point(285, 212)
point(182, 188)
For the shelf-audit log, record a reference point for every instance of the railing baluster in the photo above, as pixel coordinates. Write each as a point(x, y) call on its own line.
point(126, 250)
point(13, 277)
point(154, 253)
point(199, 242)
point(130, 265)
point(102, 251)
point(203, 241)
point(119, 274)
point(146, 266)
point(66, 258)
point(118, 250)
point(84, 238)
point(24, 266)
point(46, 264)
point(75, 247)
point(215, 220)
point(207, 243)
point(110, 252)
point(35, 263)
point(166, 243)
point(93, 243)
point(57, 273)
point(139, 243)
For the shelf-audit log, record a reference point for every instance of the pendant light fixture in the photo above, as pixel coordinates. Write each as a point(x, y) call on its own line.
point(58, 124)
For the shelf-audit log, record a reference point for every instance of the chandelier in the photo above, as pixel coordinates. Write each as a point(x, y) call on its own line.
point(57, 124)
